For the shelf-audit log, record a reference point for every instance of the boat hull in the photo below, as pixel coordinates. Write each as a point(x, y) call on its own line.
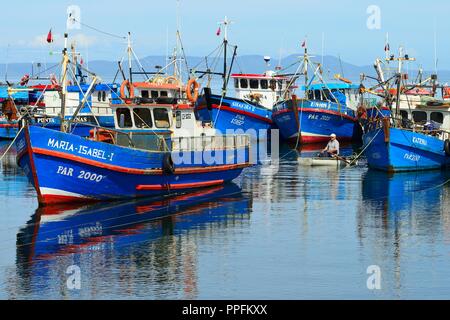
point(321, 162)
point(8, 129)
point(234, 114)
point(315, 124)
point(397, 150)
point(67, 168)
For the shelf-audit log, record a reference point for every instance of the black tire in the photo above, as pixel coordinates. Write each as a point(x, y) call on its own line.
point(447, 147)
point(168, 165)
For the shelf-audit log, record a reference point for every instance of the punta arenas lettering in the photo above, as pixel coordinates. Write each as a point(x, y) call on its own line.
point(83, 150)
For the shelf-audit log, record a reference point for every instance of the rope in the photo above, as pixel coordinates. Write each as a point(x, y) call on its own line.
point(364, 149)
point(100, 31)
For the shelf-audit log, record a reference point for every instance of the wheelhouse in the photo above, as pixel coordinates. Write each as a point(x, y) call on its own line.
point(264, 89)
point(342, 93)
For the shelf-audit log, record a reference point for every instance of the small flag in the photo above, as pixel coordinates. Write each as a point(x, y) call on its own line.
point(218, 32)
point(50, 36)
point(81, 60)
point(386, 47)
point(304, 44)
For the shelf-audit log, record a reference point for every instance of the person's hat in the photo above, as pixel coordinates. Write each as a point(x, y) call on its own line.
point(333, 135)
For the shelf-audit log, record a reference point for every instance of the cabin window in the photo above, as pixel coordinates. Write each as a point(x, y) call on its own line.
point(419, 116)
point(104, 95)
point(124, 118)
point(144, 93)
point(178, 119)
point(161, 118)
point(236, 83)
point(154, 94)
point(244, 83)
point(273, 84)
point(404, 114)
point(264, 84)
point(99, 96)
point(254, 84)
point(163, 94)
point(437, 116)
point(317, 95)
point(142, 118)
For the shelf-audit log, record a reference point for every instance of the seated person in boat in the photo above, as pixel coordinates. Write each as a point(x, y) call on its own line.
point(332, 147)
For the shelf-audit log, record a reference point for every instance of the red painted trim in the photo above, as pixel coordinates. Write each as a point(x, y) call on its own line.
point(7, 125)
point(32, 165)
point(178, 186)
point(234, 110)
point(99, 164)
point(316, 139)
point(317, 111)
point(51, 199)
point(256, 76)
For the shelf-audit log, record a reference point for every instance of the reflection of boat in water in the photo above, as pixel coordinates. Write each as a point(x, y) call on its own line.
point(8, 163)
point(61, 230)
point(414, 192)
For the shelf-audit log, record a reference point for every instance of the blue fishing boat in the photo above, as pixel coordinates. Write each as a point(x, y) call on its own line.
point(327, 108)
point(157, 147)
point(251, 108)
point(414, 137)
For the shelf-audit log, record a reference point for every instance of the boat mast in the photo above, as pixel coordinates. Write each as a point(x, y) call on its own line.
point(225, 23)
point(129, 50)
point(65, 64)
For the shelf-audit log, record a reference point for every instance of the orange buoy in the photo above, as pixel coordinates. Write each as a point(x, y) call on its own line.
point(126, 84)
point(192, 90)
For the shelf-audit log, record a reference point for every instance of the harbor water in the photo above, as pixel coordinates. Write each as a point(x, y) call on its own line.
point(280, 231)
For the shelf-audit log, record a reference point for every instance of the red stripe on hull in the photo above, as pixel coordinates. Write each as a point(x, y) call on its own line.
point(335, 113)
point(99, 164)
point(9, 126)
point(316, 139)
point(233, 110)
point(51, 199)
point(178, 186)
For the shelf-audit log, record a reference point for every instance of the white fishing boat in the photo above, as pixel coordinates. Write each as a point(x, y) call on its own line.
point(325, 162)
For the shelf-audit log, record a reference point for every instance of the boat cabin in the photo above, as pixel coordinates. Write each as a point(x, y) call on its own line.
point(263, 89)
point(343, 93)
point(98, 103)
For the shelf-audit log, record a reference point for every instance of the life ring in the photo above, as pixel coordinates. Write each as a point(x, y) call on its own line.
point(171, 80)
point(192, 90)
point(167, 164)
point(126, 84)
point(447, 147)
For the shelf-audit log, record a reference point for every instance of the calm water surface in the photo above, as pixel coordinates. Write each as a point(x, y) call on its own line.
point(278, 232)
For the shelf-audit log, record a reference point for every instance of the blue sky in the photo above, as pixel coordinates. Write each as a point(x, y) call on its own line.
point(260, 27)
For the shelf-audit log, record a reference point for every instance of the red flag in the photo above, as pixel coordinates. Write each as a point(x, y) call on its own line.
point(386, 47)
point(218, 32)
point(50, 37)
point(304, 44)
point(81, 60)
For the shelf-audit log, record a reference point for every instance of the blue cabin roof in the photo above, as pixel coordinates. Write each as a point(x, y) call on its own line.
point(331, 86)
point(99, 87)
point(16, 96)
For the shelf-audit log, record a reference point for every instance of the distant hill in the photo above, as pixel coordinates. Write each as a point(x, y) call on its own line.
point(246, 63)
